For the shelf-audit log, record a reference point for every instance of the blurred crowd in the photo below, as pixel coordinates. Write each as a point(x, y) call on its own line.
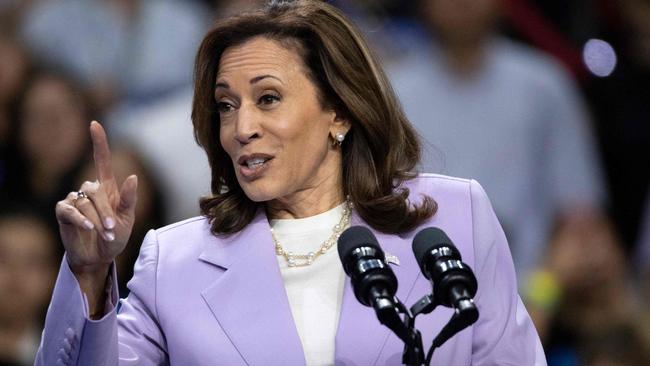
point(545, 103)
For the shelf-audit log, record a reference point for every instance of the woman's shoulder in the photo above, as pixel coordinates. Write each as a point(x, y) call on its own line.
point(462, 204)
point(439, 186)
point(440, 178)
point(189, 235)
point(175, 249)
point(193, 225)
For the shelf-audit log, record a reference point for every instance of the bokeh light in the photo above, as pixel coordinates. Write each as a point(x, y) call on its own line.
point(599, 57)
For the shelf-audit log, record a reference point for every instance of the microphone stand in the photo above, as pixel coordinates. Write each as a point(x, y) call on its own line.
point(414, 351)
point(465, 314)
point(388, 311)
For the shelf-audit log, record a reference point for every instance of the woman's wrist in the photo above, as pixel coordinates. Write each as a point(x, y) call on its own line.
point(92, 281)
point(88, 273)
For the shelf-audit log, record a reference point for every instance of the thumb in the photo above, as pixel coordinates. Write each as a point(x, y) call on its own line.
point(128, 196)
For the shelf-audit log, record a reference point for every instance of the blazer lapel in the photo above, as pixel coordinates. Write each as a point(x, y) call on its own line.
point(360, 337)
point(249, 299)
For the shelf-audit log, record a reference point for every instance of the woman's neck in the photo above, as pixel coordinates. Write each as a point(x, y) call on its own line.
point(305, 203)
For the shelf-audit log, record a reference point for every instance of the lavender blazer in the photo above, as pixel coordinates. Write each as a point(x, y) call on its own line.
point(197, 299)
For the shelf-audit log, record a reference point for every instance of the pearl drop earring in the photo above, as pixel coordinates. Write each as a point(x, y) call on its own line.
point(339, 138)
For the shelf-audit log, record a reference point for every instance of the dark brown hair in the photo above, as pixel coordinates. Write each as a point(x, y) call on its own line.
point(380, 150)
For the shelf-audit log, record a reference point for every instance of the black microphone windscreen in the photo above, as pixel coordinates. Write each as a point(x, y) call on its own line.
point(355, 237)
point(428, 239)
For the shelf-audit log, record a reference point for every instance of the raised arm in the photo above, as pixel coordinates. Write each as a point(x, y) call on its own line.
point(95, 223)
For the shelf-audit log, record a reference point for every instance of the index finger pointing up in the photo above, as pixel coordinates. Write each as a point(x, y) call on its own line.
point(101, 152)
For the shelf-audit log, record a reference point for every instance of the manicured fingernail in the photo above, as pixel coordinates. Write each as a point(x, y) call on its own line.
point(109, 223)
point(89, 225)
point(110, 236)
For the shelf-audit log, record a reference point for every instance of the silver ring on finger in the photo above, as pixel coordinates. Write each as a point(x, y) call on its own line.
point(79, 195)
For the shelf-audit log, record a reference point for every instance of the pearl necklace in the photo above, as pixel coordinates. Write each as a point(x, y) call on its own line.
point(302, 260)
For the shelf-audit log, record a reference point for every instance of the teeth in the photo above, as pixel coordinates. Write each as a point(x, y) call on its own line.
point(252, 163)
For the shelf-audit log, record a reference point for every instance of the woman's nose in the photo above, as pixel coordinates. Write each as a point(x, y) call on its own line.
point(248, 125)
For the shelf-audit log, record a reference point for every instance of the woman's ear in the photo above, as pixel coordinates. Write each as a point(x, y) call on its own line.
point(339, 125)
point(339, 128)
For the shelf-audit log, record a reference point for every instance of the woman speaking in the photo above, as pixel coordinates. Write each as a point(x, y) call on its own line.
point(304, 138)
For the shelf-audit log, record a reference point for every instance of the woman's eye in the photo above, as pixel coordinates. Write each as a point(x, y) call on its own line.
point(224, 107)
point(268, 99)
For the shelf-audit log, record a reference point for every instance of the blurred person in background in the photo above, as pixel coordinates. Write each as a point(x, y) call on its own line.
point(505, 114)
point(13, 70)
point(11, 12)
point(615, 76)
point(28, 263)
point(50, 129)
point(591, 314)
point(151, 211)
point(125, 51)
point(14, 66)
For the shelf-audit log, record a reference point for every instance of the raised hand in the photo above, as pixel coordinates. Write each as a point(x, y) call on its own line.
point(95, 225)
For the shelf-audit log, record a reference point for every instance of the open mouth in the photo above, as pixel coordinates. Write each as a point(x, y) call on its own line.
point(256, 162)
point(252, 166)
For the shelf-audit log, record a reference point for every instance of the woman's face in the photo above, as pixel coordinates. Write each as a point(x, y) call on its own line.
point(272, 125)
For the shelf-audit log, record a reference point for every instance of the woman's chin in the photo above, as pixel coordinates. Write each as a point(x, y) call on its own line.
point(257, 194)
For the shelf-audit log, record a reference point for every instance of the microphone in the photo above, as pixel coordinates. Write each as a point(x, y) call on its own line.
point(364, 261)
point(375, 285)
point(454, 283)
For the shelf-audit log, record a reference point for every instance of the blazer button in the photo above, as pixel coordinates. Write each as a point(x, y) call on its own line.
point(63, 355)
point(67, 346)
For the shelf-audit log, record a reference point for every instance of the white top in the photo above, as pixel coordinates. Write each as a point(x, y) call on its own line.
point(315, 292)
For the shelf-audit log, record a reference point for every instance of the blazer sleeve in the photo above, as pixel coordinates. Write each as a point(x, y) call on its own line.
point(504, 333)
point(132, 337)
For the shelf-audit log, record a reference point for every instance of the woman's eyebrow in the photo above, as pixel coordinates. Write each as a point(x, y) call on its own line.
point(262, 77)
point(224, 85)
